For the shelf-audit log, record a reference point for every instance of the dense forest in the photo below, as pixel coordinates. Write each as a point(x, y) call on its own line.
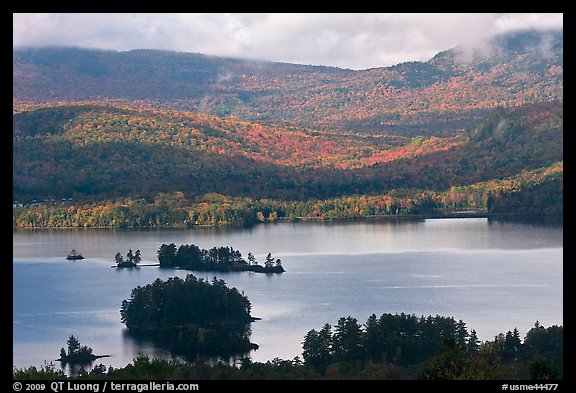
point(441, 347)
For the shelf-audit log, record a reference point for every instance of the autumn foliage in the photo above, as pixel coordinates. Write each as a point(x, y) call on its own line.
point(147, 138)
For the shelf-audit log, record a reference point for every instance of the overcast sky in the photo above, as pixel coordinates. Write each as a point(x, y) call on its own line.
point(356, 41)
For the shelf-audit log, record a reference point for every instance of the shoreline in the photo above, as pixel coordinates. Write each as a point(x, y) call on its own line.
point(413, 216)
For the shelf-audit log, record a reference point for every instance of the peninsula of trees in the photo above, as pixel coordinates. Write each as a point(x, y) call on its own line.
point(222, 259)
point(441, 347)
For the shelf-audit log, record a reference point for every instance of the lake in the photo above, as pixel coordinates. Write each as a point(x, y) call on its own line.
point(494, 275)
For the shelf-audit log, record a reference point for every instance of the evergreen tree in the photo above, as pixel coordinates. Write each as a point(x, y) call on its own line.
point(167, 255)
point(137, 257)
point(119, 259)
point(73, 345)
point(130, 257)
point(347, 340)
point(461, 334)
point(511, 346)
point(46, 372)
point(317, 348)
point(473, 342)
point(373, 340)
point(269, 262)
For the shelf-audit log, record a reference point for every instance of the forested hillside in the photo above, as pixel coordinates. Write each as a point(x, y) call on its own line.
point(453, 90)
point(147, 138)
point(101, 152)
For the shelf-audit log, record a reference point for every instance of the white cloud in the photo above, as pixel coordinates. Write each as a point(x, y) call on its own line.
point(360, 40)
point(508, 22)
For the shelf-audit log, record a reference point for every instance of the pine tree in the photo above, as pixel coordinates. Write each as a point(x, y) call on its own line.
point(317, 348)
point(269, 262)
point(73, 345)
point(473, 342)
point(130, 256)
point(347, 340)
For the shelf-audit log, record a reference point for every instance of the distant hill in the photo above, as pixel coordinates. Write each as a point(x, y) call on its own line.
point(151, 138)
point(97, 150)
point(439, 97)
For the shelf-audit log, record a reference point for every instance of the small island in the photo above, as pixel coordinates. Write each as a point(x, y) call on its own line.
point(190, 316)
point(220, 259)
point(77, 354)
point(132, 259)
point(74, 255)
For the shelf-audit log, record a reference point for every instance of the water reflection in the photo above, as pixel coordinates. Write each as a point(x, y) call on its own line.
point(157, 346)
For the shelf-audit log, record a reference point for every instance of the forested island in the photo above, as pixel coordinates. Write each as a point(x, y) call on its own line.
point(74, 256)
point(190, 316)
point(221, 259)
point(132, 259)
point(77, 354)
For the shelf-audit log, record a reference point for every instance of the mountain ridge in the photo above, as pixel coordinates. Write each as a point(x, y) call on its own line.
point(431, 98)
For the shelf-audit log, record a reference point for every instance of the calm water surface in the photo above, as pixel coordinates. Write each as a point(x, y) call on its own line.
point(494, 275)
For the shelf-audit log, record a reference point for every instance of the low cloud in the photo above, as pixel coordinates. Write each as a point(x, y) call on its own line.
point(357, 41)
